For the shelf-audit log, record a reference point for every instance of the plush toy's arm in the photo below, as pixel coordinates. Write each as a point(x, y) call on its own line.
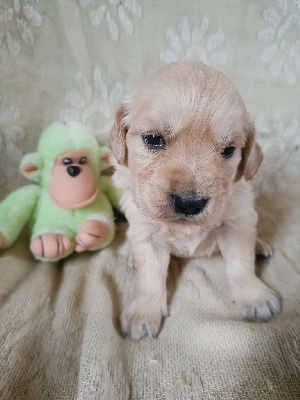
point(15, 211)
point(114, 194)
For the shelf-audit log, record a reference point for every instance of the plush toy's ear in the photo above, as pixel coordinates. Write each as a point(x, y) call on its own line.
point(104, 154)
point(31, 166)
point(118, 133)
point(252, 155)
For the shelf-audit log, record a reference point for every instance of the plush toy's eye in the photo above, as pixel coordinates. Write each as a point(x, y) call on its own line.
point(67, 161)
point(154, 141)
point(82, 160)
point(228, 152)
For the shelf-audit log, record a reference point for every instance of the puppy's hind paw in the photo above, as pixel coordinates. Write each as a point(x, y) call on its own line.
point(263, 248)
point(141, 319)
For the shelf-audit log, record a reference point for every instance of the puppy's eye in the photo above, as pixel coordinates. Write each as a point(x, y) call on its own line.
point(227, 152)
point(67, 161)
point(154, 141)
point(82, 160)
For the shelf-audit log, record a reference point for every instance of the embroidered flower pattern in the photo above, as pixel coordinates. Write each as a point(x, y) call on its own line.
point(10, 153)
point(93, 104)
point(282, 39)
point(18, 18)
point(185, 43)
point(280, 143)
point(116, 14)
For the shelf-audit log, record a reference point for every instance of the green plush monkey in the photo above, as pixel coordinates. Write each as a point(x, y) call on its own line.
point(70, 208)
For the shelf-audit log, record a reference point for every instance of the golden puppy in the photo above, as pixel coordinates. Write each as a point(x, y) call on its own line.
point(184, 150)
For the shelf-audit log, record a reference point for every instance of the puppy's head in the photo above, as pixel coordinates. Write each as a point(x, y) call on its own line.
point(186, 138)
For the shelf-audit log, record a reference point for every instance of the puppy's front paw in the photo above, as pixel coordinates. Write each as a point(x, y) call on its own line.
point(259, 302)
point(264, 310)
point(143, 318)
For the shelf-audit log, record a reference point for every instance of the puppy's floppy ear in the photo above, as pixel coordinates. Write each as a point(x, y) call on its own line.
point(118, 133)
point(252, 155)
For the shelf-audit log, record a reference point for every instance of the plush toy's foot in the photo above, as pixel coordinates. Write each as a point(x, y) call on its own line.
point(91, 234)
point(51, 246)
point(2, 240)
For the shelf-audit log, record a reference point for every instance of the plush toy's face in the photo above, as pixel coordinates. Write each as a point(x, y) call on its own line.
point(67, 164)
point(73, 184)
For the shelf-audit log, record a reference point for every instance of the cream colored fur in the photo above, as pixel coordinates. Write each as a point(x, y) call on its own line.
point(198, 112)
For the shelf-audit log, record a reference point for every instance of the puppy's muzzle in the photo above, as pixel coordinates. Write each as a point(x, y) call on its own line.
point(187, 204)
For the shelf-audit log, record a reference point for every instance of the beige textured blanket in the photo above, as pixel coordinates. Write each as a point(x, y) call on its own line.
point(59, 329)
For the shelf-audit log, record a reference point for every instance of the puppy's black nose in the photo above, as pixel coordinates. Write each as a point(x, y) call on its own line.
point(187, 204)
point(73, 170)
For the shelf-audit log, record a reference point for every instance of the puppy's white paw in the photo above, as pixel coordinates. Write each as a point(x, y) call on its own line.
point(143, 318)
point(263, 248)
point(264, 310)
point(259, 303)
